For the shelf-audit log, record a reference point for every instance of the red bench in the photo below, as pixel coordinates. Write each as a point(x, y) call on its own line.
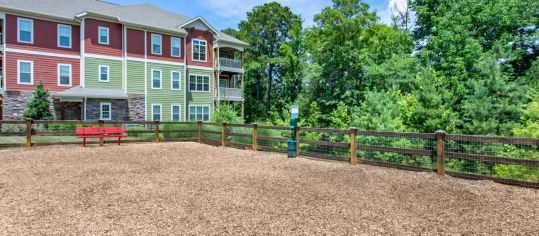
point(101, 132)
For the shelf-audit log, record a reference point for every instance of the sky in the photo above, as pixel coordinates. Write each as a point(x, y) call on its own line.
point(223, 14)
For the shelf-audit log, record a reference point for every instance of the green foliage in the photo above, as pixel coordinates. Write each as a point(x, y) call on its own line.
point(340, 117)
point(380, 111)
point(429, 107)
point(38, 107)
point(226, 113)
point(530, 127)
point(274, 57)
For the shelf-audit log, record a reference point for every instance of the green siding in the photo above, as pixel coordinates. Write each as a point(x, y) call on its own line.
point(92, 73)
point(165, 96)
point(135, 77)
point(200, 98)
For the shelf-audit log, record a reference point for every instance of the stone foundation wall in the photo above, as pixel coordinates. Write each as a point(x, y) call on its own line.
point(16, 102)
point(119, 109)
point(135, 106)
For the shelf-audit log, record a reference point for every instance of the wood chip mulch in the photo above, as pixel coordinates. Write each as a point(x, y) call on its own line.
point(189, 188)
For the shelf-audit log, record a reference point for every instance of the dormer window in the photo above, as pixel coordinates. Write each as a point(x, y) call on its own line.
point(199, 50)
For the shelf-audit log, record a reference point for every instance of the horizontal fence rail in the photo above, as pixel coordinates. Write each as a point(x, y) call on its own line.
point(505, 160)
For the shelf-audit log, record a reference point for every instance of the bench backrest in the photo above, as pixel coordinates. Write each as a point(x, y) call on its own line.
point(99, 130)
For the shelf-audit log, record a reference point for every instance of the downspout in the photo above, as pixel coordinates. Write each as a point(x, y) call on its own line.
point(4, 73)
point(84, 108)
point(186, 78)
point(145, 75)
point(82, 80)
point(124, 49)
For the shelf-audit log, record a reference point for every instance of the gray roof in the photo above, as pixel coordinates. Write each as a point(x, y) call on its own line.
point(139, 14)
point(79, 92)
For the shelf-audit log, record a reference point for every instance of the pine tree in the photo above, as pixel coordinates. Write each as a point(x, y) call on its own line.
point(38, 107)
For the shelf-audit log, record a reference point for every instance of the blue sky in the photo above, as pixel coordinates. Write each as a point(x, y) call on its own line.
point(228, 13)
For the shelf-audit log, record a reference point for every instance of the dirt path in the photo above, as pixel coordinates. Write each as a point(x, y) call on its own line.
point(187, 188)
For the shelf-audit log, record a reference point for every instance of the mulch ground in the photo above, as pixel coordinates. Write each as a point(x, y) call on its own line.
point(188, 188)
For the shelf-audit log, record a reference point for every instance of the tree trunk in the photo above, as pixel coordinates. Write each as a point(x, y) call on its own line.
point(268, 95)
point(258, 85)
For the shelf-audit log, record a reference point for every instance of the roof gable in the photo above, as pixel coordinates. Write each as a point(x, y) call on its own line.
point(200, 24)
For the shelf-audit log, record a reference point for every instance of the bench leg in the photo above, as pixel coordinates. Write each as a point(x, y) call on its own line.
point(119, 141)
point(84, 142)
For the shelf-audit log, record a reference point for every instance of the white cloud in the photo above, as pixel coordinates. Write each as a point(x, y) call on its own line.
point(392, 7)
point(236, 10)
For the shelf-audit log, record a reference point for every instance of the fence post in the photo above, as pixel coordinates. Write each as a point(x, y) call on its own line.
point(255, 134)
point(199, 131)
point(353, 146)
point(157, 132)
point(29, 132)
point(440, 149)
point(297, 141)
point(223, 134)
point(101, 125)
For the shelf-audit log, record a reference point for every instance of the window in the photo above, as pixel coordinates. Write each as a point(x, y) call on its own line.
point(175, 80)
point(175, 47)
point(25, 32)
point(25, 72)
point(64, 75)
point(200, 83)
point(175, 111)
point(156, 79)
point(64, 36)
point(105, 111)
point(156, 112)
point(156, 44)
point(197, 113)
point(199, 50)
point(104, 74)
point(103, 35)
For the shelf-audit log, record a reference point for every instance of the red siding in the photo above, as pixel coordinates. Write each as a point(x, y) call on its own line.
point(45, 36)
point(166, 53)
point(204, 35)
point(135, 43)
point(45, 69)
point(114, 48)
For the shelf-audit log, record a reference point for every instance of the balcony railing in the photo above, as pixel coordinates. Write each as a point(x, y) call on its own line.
point(230, 94)
point(230, 63)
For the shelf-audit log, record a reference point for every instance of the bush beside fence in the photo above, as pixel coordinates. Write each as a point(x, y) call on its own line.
point(502, 159)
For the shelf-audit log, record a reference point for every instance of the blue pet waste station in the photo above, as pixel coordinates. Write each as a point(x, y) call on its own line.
point(293, 125)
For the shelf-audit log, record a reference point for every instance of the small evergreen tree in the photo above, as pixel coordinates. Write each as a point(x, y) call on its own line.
point(38, 107)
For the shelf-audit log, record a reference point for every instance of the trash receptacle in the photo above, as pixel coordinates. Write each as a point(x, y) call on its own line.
point(291, 148)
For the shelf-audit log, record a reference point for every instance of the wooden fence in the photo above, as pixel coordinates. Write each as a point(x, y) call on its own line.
point(505, 160)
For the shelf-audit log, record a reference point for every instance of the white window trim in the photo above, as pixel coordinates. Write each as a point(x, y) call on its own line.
point(172, 112)
point(99, 35)
point(19, 72)
point(172, 81)
point(198, 91)
point(19, 19)
point(70, 75)
point(203, 105)
point(99, 73)
point(160, 111)
point(179, 47)
point(160, 44)
point(101, 110)
point(70, 36)
point(160, 79)
point(193, 50)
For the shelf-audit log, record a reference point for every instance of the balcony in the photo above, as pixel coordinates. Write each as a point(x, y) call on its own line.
point(230, 94)
point(230, 65)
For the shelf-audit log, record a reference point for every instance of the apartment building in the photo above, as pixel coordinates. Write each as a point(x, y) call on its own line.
point(105, 61)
